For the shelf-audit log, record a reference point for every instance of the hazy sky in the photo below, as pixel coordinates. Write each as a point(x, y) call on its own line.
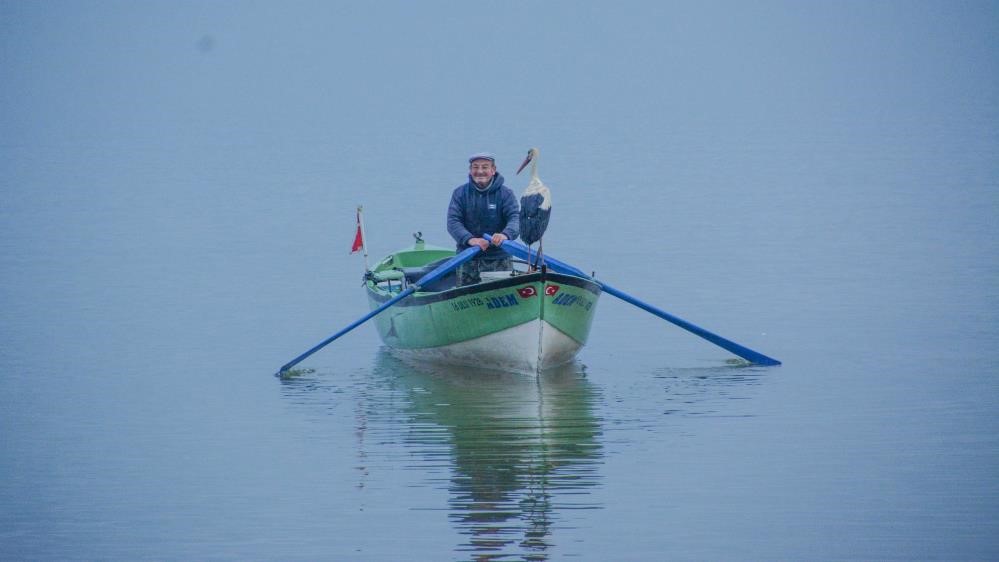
point(373, 71)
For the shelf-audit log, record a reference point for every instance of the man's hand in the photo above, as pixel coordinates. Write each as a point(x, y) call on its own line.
point(481, 242)
point(498, 238)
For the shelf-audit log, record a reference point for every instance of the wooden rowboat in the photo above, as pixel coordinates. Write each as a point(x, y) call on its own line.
point(516, 320)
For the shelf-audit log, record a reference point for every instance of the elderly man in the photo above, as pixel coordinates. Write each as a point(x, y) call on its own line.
point(480, 206)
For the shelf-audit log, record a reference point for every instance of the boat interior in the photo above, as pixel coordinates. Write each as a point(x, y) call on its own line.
point(397, 278)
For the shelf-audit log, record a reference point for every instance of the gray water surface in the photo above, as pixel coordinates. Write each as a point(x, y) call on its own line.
point(817, 182)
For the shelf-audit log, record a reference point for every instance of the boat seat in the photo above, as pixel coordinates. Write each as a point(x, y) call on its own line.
point(413, 274)
point(388, 275)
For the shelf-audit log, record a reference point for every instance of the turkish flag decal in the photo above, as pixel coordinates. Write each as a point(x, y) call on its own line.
point(527, 292)
point(551, 290)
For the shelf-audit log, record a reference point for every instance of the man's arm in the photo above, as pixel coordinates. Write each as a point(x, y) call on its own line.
point(455, 216)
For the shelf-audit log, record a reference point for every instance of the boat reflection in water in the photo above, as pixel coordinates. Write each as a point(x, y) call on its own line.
point(512, 456)
point(522, 449)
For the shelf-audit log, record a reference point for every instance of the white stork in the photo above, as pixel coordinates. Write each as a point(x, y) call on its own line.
point(535, 203)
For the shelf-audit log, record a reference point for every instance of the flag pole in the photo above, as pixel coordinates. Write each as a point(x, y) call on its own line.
point(360, 228)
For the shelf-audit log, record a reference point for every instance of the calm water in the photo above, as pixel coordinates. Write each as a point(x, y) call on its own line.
point(178, 187)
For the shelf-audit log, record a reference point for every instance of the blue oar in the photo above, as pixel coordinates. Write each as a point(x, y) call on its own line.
point(521, 251)
point(437, 273)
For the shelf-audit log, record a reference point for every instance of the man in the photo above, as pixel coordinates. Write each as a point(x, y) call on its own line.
point(483, 205)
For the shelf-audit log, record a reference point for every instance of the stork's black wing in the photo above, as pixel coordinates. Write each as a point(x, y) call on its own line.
point(533, 219)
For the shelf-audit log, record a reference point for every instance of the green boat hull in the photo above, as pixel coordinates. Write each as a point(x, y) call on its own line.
point(517, 321)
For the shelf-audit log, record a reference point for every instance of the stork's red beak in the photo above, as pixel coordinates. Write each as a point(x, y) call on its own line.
point(525, 162)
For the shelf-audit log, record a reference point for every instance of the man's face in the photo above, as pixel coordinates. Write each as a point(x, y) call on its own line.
point(482, 171)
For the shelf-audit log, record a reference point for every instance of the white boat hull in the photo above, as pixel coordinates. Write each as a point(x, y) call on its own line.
point(528, 348)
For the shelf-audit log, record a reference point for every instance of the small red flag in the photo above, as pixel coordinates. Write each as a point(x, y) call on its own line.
point(358, 240)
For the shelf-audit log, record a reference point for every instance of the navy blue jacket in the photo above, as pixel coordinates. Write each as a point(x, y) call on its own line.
point(474, 212)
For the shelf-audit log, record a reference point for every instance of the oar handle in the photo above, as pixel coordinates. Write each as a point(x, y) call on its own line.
point(448, 266)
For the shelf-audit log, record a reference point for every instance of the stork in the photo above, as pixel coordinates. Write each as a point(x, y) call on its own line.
point(535, 205)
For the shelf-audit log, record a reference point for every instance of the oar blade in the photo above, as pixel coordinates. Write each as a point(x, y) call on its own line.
point(520, 250)
point(287, 367)
point(726, 344)
point(437, 273)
